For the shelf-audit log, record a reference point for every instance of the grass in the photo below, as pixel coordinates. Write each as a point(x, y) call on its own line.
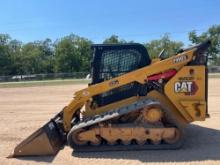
point(43, 83)
point(214, 75)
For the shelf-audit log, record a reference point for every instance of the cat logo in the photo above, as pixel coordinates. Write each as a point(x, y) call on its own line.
point(186, 87)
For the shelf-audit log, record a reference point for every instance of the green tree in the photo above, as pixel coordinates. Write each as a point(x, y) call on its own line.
point(38, 57)
point(31, 58)
point(72, 54)
point(48, 55)
point(154, 47)
point(84, 48)
point(113, 39)
point(213, 33)
point(15, 57)
point(5, 63)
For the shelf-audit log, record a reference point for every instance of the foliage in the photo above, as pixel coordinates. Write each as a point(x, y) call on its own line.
point(213, 34)
point(5, 62)
point(36, 57)
point(154, 47)
point(72, 53)
point(114, 39)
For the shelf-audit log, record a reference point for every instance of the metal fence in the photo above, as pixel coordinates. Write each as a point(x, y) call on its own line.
point(49, 76)
point(214, 69)
point(74, 75)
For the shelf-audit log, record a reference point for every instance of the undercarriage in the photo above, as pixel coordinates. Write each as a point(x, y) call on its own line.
point(147, 124)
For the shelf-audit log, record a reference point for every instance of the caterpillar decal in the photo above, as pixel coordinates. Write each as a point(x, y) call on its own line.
point(186, 87)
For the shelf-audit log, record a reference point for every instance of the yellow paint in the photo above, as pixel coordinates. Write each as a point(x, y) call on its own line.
point(91, 112)
point(185, 103)
point(169, 106)
point(140, 75)
point(196, 109)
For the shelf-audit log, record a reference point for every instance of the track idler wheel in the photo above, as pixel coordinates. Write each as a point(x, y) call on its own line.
point(112, 143)
point(140, 142)
point(96, 142)
point(126, 142)
point(175, 138)
point(155, 141)
point(76, 137)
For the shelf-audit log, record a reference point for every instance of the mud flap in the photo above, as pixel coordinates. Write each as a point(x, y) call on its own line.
point(47, 140)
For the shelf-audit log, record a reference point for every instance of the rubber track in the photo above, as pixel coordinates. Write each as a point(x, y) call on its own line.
point(116, 113)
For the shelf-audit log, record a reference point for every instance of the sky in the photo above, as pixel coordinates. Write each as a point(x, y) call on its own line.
point(137, 20)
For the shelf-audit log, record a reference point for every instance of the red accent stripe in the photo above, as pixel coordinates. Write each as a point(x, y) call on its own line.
point(165, 75)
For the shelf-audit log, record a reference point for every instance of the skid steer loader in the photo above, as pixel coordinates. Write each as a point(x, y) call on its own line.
point(132, 103)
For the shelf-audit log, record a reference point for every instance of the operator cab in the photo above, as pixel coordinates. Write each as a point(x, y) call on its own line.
point(112, 60)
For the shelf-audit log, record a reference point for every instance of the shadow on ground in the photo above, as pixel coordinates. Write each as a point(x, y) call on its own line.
point(46, 159)
point(200, 144)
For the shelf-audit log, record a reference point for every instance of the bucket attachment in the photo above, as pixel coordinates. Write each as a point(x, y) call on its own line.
point(47, 140)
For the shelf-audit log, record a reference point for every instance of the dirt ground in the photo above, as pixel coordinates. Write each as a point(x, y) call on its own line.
point(23, 110)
